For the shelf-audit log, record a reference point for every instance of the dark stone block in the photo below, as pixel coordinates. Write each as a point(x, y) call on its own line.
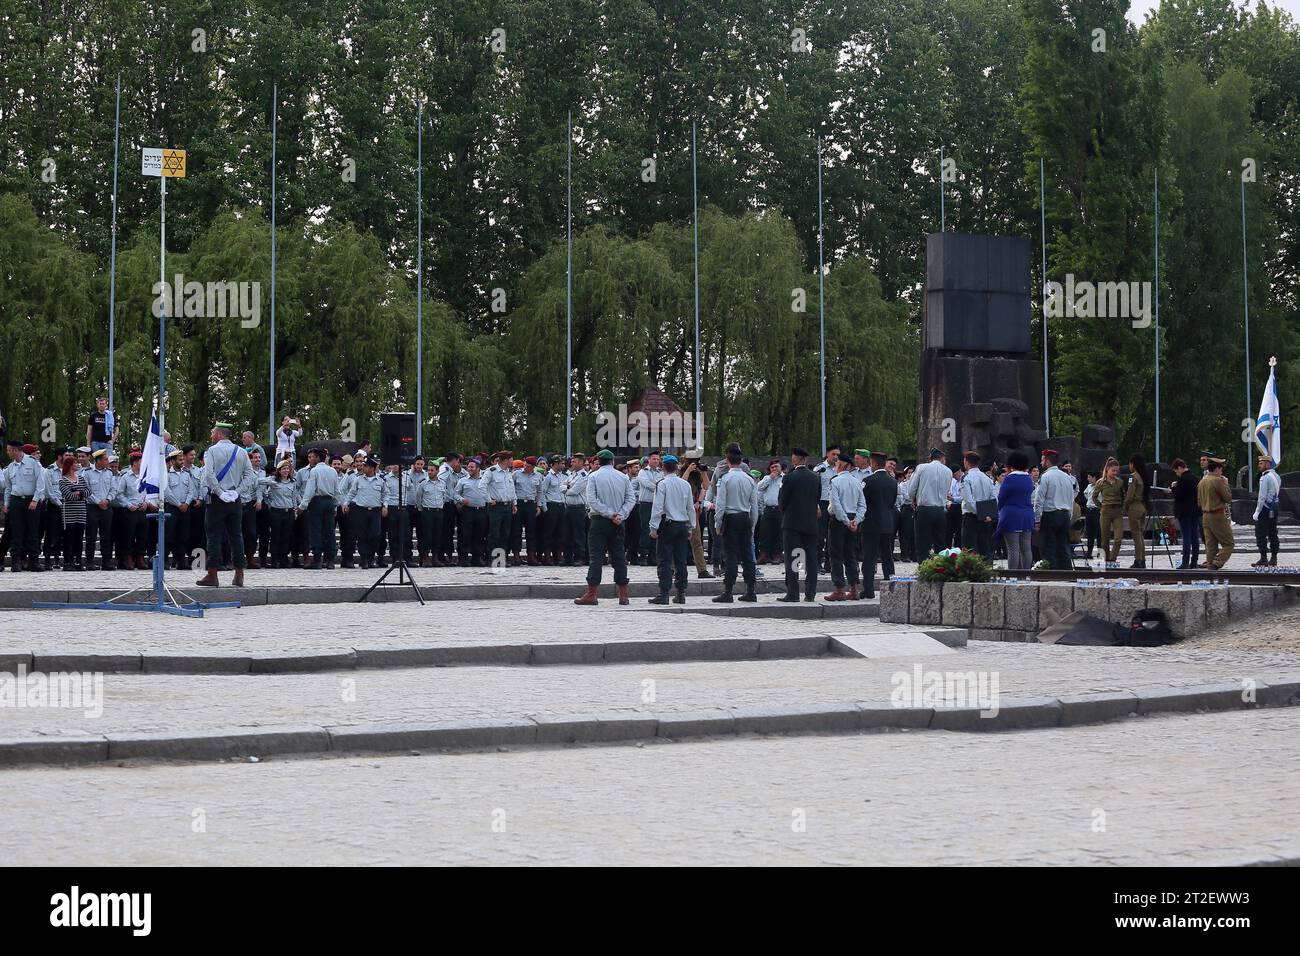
point(1012, 406)
point(976, 413)
point(1098, 436)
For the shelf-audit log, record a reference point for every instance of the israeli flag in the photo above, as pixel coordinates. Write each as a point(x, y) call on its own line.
point(152, 472)
point(1268, 426)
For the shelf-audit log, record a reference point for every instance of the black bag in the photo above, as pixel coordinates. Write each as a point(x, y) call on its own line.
point(1149, 628)
point(988, 508)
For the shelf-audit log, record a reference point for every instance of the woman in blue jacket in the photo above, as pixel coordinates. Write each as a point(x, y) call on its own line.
point(1016, 512)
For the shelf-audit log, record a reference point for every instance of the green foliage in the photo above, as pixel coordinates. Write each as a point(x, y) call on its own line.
point(955, 565)
point(884, 83)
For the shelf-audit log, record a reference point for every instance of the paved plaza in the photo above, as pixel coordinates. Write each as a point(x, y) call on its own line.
point(1186, 787)
point(1198, 789)
point(1183, 787)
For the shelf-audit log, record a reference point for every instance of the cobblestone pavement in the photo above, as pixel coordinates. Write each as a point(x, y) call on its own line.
point(157, 702)
point(339, 627)
point(1199, 789)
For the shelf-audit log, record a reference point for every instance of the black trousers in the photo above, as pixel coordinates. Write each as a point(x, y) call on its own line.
point(121, 534)
point(196, 538)
point(472, 535)
point(224, 521)
point(738, 550)
point(769, 532)
point(931, 523)
point(300, 537)
point(498, 518)
point(800, 547)
point(553, 527)
point(177, 544)
point(977, 535)
point(523, 528)
point(876, 546)
point(575, 529)
point(248, 525)
point(1055, 526)
point(1092, 528)
point(282, 522)
point(430, 531)
point(952, 530)
point(347, 536)
point(366, 527)
point(72, 536)
point(1266, 534)
point(24, 530)
point(674, 544)
point(843, 561)
point(603, 535)
point(450, 525)
point(320, 528)
point(53, 535)
point(99, 528)
point(633, 531)
point(906, 533)
point(646, 545)
point(264, 533)
point(135, 532)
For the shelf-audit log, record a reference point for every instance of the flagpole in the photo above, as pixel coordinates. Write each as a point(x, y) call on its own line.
point(275, 115)
point(695, 217)
point(419, 278)
point(1157, 345)
point(568, 301)
point(1245, 298)
point(160, 561)
point(1042, 234)
point(112, 254)
point(821, 288)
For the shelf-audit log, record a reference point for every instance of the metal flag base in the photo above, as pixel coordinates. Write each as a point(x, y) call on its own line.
point(164, 599)
point(404, 576)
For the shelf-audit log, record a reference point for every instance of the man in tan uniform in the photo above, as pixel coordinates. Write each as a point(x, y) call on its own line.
point(1215, 499)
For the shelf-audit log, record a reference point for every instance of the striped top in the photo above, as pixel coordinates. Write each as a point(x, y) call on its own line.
point(74, 493)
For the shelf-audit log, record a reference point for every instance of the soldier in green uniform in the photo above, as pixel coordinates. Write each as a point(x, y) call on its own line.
point(1214, 496)
point(1109, 495)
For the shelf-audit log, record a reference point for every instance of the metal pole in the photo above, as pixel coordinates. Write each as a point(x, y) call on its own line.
point(160, 562)
point(1245, 299)
point(695, 213)
point(943, 218)
point(568, 303)
point(1157, 345)
point(1042, 226)
point(112, 254)
point(821, 290)
point(275, 113)
point(419, 279)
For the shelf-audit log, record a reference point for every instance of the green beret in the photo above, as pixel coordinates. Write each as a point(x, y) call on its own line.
point(864, 452)
point(605, 455)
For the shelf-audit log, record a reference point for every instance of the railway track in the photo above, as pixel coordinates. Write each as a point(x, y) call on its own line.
point(1277, 578)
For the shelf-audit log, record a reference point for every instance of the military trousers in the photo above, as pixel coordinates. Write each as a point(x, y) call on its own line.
point(224, 523)
point(1218, 538)
point(605, 536)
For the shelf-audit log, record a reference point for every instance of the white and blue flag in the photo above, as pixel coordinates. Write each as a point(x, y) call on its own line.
point(152, 469)
point(1268, 425)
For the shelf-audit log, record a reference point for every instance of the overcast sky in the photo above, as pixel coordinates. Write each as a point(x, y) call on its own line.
point(1137, 11)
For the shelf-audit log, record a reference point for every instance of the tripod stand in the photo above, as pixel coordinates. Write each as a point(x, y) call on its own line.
point(399, 558)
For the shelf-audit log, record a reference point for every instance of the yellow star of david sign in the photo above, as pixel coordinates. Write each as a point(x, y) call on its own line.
point(173, 163)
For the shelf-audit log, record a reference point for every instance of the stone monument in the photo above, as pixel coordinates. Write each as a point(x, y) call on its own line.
point(981, 388)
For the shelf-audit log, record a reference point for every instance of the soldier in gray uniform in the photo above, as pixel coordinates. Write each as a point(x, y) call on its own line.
point(226, 469)
point(99, 511)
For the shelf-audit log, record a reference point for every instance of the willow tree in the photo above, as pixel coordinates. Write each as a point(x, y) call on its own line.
point(47, 290)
